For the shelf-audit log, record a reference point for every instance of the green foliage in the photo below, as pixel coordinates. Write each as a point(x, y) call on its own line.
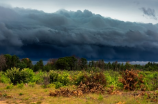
point(17, 76)
point(62, 63)
point(67, 63)
point(47, 67)
point(53, 76)
point(31, 84)
point(27, 75)
point(83, 63)
point(9, 86)
point(58, 85)
point(14, 75)
point(21, 93)
point(63, 78)
point(150, 80)
point(112, 79)
point(79, 79)
point(20, 85)
point(38, 66)
point(21, 65)
point(100, 97)
point(4, 78)
point(93, 69)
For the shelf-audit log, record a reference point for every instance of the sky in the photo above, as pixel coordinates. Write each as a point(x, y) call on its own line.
point(122, 30)
point(126, 10)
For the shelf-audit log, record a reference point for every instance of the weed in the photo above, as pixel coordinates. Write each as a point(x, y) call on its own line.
point(21, 85)
point(58, 85)
point(100, 97)
point(31, 84)
point(21, 94)
point(9, 86)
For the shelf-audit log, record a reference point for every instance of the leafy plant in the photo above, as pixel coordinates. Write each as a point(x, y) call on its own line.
point(14, 75)
point(17, 76)
point(21, 93)
point(9, 86)
point(58, 85)
point(100, 97)
point(63, 78)
point(21, 85)
point(31, 84)
point(53, 76)
point(4, 78)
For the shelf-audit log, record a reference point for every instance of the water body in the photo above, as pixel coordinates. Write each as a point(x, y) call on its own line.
point(131, 62)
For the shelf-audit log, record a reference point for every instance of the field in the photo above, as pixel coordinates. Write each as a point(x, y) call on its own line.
point(58, 87)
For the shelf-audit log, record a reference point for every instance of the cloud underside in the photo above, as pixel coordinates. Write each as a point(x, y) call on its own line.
point(149, 12)
point(39, 35)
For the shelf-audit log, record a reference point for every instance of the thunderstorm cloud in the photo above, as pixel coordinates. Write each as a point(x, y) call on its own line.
point(39, 35)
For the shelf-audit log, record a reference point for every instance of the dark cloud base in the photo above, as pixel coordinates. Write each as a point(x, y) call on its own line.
point(38, 35)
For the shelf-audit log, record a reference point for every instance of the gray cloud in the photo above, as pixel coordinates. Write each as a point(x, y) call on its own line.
point(149, 12)
point(35, 34)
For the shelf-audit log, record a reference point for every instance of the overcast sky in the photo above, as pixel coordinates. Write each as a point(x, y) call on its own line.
point(145, 11)
point(43, 29)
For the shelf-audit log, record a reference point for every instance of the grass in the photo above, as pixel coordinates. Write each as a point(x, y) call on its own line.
point(33, 93)
point(39, 95)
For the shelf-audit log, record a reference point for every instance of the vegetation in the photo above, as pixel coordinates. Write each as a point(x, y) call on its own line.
point(71, 76)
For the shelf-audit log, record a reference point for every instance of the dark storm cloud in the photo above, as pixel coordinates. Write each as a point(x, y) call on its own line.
point(149, 12)
point(35, 34)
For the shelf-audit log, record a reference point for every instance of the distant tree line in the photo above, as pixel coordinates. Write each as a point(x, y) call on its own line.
point(8, 61)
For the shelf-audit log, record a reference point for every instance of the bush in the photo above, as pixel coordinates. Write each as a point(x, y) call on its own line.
point(21, 85)
point(64, 78)
point(112, 79)
point(17, 76)
point(53, 77)
point(27, 75)
point(151, 80)
point(37, 78)
point(98, 78)
point(132, 80)
point(58, 85)
point(4, 78)
point(14, 75)
point(9, 86)
point(31, 84)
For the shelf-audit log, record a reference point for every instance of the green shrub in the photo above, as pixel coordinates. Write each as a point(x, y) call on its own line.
point(9, 86)
point(63, 78)
point(37, 78)
point(21, 94)
point(58, 85)
point(150, 80)
point(100, 97)
point(31, 84)
point(112, 79)
point(21, 85)
point(53, 76)
point(78, 80)
point(17, 76)
point(26, 75)
point(14, 75)
point(4, 78)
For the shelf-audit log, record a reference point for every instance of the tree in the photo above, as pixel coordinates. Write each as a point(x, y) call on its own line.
point(28, 62)
point(14, 61)
point(82, 63)
point(2, 62)
point(62, 63)
point(38, 66)
point(67, 63)
point(8, 61)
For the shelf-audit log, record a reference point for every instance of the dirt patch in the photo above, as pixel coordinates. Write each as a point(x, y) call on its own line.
point(3, 102)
